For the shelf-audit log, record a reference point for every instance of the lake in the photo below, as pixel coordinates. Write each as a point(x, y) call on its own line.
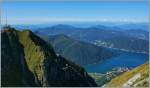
point(125, 59)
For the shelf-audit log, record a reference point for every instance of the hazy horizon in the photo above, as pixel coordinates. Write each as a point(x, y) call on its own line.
point(61, 12)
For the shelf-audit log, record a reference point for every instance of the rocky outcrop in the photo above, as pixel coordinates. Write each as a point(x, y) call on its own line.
point(27, 60)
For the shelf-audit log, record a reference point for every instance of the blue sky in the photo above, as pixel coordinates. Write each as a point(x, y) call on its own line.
point(44, 12)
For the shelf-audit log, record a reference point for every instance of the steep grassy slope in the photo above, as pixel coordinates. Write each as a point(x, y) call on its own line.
point(14, 71)
point(141, 81)
point(77, 51)
point(27, 60)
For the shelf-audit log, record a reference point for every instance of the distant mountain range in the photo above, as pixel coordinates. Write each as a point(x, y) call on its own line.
point(121, 25)
point(113, 37)
point(27, 60)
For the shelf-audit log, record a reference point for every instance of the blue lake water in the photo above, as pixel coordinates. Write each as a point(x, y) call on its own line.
point(129, 60)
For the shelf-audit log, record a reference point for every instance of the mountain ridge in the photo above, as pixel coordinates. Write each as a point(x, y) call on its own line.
point(112, 36)
point(77, 51)
point(132, 78)
point(36, 64)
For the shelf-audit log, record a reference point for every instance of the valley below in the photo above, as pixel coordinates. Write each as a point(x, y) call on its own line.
point(124, 60)
point(125, 51)
point(93, 63)
point(74, 43)
point(103, 72)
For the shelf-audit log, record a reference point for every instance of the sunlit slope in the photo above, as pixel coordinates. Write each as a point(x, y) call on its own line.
point(138, 77)
point(27, 60)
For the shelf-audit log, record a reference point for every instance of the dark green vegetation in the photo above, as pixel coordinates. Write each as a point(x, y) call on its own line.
point(139, 81)
point(27, 60)
point(79, 52)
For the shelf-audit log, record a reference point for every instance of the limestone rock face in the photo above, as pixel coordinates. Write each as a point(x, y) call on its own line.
point(27, 60)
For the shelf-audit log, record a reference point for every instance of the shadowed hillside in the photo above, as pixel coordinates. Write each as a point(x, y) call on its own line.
point(79, 52)
point(27, 60)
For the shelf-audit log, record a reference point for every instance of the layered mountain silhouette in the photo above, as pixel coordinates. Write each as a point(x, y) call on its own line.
point(115, 37)
point(27, 60)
